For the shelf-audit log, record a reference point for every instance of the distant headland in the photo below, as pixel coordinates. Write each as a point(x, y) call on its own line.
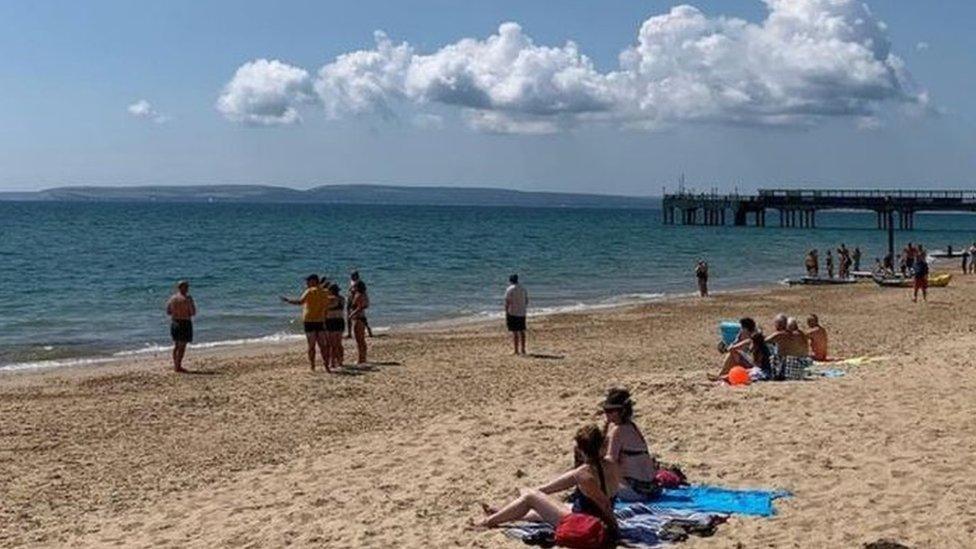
point(335, 194)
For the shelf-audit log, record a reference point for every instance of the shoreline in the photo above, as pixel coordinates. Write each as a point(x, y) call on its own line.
point(210, 348)
point(259, 451)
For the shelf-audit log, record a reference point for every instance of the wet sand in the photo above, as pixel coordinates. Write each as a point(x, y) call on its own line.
point(259, 452)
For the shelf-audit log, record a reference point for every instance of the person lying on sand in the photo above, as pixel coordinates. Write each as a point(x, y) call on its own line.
point(627, 448)
point(749, 350)
point(817, 337)
point(594, 485)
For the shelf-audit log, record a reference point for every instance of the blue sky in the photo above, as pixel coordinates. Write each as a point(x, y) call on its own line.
point(719, 94)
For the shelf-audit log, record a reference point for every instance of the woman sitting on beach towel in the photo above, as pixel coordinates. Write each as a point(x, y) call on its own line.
point(627, 448)
point(595, 485)
point(749, 351)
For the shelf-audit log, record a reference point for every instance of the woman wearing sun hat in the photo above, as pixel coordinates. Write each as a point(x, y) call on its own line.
point(627, 448)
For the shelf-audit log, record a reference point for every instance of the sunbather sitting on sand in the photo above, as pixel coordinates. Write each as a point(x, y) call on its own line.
point(627, 448)
point(818, 338)
point(788, 338)
point(595, 483)
point(749, 350)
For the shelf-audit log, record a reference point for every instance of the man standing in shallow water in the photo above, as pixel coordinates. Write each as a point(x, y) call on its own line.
point(516, 305)
point(181, 309)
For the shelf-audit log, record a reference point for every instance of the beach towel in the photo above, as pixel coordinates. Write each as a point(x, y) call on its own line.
point(641, 525)
point(712, 499)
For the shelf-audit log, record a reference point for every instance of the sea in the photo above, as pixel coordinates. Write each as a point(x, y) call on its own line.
point(82, 282)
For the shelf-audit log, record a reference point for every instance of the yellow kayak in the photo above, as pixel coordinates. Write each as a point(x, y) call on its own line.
point(940, 280)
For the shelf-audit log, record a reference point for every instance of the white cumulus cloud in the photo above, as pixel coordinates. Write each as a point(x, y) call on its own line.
point(266, 93)
point(144, 109)
point(807, 61)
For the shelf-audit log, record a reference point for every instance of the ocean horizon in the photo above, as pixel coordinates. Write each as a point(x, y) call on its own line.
point(86, 282)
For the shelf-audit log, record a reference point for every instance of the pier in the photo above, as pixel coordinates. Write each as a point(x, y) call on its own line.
point(799, 207)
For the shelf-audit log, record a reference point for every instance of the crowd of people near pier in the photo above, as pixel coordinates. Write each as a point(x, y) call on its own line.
point(848, 261)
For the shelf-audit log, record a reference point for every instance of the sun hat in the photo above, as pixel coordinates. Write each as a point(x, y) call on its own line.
point(617, 399)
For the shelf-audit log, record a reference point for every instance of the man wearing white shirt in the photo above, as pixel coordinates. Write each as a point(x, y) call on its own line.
point(516, 305)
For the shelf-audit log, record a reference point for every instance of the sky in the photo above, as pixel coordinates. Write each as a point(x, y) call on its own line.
point(609, 96)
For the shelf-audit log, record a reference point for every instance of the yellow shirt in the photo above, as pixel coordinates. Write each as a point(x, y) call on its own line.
point(314, 302)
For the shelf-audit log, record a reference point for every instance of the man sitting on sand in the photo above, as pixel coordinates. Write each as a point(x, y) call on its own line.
point(818, 338)
point(181, 310)
point(789, 340)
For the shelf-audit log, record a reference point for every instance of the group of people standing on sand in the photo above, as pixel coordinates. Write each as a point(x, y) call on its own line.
point(611, 464)
point(788, 345)
point(848, 261)
point(326, 314)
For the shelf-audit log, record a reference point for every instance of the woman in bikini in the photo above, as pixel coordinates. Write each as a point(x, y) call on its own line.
point(595, 484)
point(358, 304)
point(335, 324)
point(627, 448)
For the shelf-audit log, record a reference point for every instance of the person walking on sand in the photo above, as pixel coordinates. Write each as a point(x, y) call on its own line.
point(516, 307)
point(181, 310)
point(920, 274)
point(701, 274)
point(972, 258)
point(358, 303)
point(353, 279)
point(829, 261)
point(314, 302)
point(857, 258)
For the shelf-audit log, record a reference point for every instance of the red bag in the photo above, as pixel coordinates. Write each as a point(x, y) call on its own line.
point(580, 531)
point(668, 478)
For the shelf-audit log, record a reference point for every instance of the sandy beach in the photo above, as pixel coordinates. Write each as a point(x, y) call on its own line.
point(259, 452)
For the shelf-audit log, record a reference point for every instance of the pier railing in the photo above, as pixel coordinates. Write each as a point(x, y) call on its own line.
point(798, 207)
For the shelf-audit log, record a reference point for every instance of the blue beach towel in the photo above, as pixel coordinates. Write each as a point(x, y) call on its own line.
point(712, 499)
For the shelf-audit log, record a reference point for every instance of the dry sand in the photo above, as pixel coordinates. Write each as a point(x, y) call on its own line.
point(263, 453)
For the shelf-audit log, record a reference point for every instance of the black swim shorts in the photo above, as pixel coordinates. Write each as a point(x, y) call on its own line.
point(515, 323)
point(181, 331)
point(335, 325)
point(313, 327)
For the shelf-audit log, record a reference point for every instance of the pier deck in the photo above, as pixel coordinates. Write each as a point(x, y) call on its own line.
point(799, 207)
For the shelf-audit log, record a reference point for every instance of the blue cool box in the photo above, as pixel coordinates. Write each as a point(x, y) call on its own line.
point(729, 331)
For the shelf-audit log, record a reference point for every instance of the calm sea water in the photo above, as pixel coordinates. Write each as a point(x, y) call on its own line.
point(89, 279)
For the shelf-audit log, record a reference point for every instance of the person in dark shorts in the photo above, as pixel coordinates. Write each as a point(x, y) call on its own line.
point(516, 306)
point(920, 274)
point(335, 324)
point(314, 301)
point(701, 274)
point(181, 310)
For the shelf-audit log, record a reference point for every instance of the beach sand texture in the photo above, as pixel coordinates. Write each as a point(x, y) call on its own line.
point(263, 453)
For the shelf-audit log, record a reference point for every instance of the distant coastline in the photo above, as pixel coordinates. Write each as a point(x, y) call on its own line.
point(335, 194)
